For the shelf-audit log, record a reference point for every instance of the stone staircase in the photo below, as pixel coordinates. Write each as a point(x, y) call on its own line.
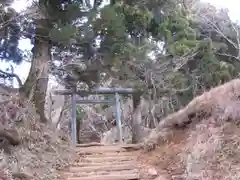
point(98, 162)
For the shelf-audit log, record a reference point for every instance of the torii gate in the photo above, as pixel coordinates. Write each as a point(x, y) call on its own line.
point(115, 91)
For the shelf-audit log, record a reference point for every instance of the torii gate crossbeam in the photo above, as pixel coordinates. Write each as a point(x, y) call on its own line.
point(115, 91)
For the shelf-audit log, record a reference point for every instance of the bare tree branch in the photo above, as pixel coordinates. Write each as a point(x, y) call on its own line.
point(9, 75)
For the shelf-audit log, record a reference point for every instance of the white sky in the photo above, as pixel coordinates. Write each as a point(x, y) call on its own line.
point(23, 69)
point(231, 5)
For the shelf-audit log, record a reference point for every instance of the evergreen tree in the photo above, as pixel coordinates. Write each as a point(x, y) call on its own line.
point(9, 35)
point(193, 56)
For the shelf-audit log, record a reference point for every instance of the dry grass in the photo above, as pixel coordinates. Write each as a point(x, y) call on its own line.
point(166, 159)
point(212, 151)
point(212, 103)
point(208, 146)
point(42, 150)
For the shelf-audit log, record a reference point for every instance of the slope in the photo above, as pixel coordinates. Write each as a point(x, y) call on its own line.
point(201, 141)
point(29, 149)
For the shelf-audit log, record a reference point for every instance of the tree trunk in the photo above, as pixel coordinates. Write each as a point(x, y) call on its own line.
point(78, 131)
point(36, 84)
point(136, 118)
point(136, 126)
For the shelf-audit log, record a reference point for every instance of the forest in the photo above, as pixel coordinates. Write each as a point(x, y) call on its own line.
point(169, 51)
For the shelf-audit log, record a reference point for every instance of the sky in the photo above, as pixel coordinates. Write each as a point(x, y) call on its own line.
point(24, 44)
point(232, 5)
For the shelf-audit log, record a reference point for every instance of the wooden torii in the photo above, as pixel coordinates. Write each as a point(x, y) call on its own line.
point(83, 93)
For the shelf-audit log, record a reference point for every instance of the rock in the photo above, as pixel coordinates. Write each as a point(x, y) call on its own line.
point(152, 172)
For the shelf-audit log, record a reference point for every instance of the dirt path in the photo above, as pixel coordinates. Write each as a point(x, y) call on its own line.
point(97, 162)
point(125, 162)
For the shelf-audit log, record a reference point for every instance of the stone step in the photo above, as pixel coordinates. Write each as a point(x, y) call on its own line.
point(104, 167)
point(126, 176)
point(89, 144)
point(91, 164)
point(95, 161)
point(105, 154)
point(108, 159)
point(104, 172)
point(98, 149)
point(107, 148)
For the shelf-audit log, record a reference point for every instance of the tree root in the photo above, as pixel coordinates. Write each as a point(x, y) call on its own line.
point(22, 175)
point(10, 135)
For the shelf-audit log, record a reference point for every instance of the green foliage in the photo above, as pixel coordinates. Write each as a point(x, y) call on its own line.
point(63, 34)
point(10, 32)
point(111, 23)
point(111, 27)
point(190, 65)
point(125, 28)
point(179, 35)
point(136, 20)
point(178, 80)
